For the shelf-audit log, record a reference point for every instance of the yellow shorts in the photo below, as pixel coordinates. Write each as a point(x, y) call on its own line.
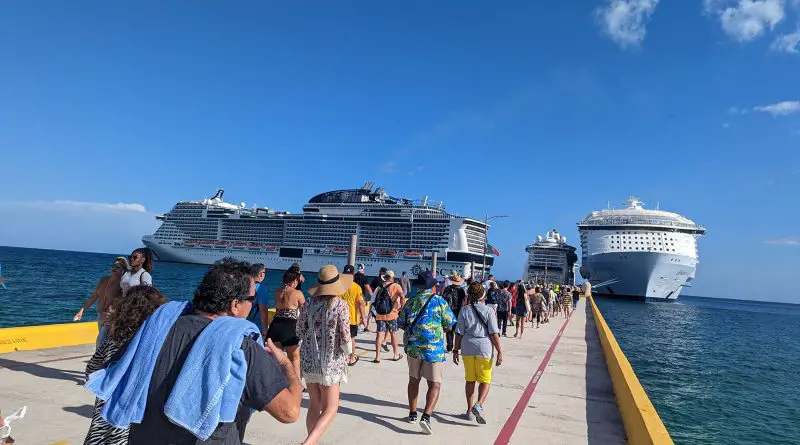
point(477, 369)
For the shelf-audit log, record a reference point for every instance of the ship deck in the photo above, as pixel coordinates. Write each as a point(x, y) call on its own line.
point(554, 387)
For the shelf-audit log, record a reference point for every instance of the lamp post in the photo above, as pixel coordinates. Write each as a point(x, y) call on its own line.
point(486, 240)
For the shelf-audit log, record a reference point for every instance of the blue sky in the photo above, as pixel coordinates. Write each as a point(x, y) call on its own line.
point(540, 110)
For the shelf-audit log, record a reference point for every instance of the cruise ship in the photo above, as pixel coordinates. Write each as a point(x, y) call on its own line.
point(550, 260)
point(637, 253)
point(398, 233)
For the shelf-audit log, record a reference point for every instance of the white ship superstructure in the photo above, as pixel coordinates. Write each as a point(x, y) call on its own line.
point(550, 260)
point(397, 233)
point(634, 252)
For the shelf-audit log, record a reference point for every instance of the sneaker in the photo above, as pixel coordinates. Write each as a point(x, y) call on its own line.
point(469, 416)
point(478, 411)
point(425, 424)
point(412, 418)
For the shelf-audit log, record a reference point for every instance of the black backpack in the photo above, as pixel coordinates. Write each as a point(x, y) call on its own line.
point(383, 301)
point(491, 296)
point(451, 296)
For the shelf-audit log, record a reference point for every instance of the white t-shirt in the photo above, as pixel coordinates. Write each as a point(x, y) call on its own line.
point(130, 279)
point(487, 284)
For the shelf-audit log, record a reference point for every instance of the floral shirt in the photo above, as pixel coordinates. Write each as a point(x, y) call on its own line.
point(426, 341)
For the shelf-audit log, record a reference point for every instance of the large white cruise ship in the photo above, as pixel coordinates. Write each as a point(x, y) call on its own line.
point(550, 260)
point(633, 252)
point(396, 233)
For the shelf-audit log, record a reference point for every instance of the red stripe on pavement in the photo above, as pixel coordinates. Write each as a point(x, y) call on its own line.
point(511, 424)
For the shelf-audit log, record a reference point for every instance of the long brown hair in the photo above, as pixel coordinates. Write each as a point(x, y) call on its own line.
point(132, 310)
point(475, 292)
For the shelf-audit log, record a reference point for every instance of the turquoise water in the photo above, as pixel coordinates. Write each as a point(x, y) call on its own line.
point(718, 371)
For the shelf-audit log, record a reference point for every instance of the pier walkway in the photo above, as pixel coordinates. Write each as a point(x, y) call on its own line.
point(553, 388)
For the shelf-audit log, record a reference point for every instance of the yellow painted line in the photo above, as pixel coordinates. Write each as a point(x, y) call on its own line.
point(61, 442)
point(639, 416)
point(49, 336)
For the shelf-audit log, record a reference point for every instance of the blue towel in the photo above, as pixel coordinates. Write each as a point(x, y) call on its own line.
point(210, 384)
point(123, 385)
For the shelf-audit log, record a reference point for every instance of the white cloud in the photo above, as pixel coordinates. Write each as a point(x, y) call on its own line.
point(784, 108)
point(746, 20)
point(787, 43)
point(736, 110)
point(388, 167)
point(624, 21)
point(75, 225)
point(793, 241)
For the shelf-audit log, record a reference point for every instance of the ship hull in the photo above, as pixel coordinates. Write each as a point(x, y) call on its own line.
point(308, 263)
point(647, 276)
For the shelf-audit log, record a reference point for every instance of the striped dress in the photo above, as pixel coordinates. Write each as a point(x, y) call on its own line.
point(100, 431)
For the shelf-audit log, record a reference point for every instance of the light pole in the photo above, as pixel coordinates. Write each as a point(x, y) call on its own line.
point(486, 240)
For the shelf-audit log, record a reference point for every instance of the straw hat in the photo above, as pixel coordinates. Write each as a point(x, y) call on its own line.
point(330, 282)
point(455, 278)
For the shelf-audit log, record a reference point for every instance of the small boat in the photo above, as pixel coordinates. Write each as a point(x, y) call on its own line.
point(387, 253)
point(412, 254)
point(339, 251)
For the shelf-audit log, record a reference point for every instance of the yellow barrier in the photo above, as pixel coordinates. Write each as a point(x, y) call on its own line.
point(49, 336)
point(56, 335)
point(642, 424)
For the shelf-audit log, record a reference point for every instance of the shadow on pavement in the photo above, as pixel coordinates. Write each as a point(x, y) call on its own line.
point(83, 410)
point(37, 370)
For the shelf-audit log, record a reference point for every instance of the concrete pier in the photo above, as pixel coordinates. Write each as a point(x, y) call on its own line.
point(553, 388)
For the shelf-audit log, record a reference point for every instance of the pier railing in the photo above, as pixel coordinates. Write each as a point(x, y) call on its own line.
point(643, 426)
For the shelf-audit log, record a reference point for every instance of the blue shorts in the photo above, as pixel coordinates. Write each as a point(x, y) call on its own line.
point(387, 325)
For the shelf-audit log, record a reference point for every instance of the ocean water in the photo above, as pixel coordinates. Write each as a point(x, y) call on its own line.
point(49, 286)
point(718, 371)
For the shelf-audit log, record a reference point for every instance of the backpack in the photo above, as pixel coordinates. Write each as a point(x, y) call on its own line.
point(383, 301)
point(491, 296)
point(450, 295)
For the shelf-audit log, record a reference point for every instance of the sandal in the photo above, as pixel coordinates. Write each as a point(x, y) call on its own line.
point(376, 361)
point(355, 360)
point(398, 358)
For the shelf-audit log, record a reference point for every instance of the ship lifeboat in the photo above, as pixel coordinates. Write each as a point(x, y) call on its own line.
point(270, 248)
point(253, 246)
point(339, 251)
point(220, 245)
point(387, 253)
point(365, 251)
point(412, 255)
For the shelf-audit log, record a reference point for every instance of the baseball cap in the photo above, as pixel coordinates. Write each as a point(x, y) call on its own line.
point(349, 269)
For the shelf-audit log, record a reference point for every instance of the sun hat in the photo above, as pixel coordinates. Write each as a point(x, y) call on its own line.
point(330, 282)
point(455, 278)
point(389, 275)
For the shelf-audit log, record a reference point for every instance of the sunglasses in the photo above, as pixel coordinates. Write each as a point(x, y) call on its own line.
point(250, 298)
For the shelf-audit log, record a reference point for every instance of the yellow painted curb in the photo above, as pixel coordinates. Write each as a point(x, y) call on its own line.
point(642, 424)
point(49, 336)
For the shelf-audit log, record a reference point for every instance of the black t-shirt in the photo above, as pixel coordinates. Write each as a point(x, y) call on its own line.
point(360, 279)
point(264, 381)
point(375, 284)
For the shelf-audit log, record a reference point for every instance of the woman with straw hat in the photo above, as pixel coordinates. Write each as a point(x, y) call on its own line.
point(324, 329)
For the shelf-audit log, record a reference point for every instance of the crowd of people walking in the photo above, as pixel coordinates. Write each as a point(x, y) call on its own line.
point(186, 372)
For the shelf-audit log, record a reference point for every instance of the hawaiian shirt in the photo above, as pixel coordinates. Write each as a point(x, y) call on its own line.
point(426, 341)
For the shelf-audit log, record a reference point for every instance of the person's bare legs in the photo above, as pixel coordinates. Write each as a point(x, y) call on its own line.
point(431, 397)
point(521, 329)
point(314, 406)
point(293, 354)
point(378, 342)
point(469, 389)
point(483, 392)
point(329, 403)
point(394, 345)
point(413, 393)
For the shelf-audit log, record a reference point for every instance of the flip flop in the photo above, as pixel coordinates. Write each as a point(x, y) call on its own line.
point(353, 363)
point(398, 358)
point(376, 361)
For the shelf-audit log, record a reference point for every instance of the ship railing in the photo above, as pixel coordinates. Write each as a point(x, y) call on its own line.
point(637, 220)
